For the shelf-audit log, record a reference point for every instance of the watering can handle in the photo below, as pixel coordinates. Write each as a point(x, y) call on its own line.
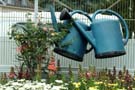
point(124, 24)
point(81, 12)
point(87, 15)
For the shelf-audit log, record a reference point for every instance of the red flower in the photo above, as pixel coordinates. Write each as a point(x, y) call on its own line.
point(51, 65)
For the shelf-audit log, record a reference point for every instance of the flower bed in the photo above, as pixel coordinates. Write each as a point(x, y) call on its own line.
point(23, 84)
point(85, 80)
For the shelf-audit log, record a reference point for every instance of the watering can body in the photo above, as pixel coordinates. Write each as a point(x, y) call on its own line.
point(105, 35)
point(108, 38)
point(73, 45)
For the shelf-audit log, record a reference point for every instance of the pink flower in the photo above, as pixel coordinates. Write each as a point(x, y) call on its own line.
point(45, 29)
point(19, 49)
point(12, 75)
point(51, 29)
point(94, 74)
point(88, 75)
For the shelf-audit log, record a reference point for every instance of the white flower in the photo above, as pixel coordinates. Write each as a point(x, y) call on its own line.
point(56, 88)
point(47, 87)
point(22, 88)
point(58, 81)
point(43, 80)
point(21, 80)
point(27, 86)
point(16, 84)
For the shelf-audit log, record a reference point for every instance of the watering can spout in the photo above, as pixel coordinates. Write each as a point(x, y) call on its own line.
point(53, 17)
point(86, 33)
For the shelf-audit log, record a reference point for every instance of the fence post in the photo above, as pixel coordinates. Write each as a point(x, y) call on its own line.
point(36, 11)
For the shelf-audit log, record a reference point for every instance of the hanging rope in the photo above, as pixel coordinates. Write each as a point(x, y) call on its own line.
point(114, 4)
point(59, 2)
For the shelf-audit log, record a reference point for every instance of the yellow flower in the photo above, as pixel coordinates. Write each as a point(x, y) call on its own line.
point(77, 85)
point(121, 89)
point(97, 83)
point(122, 80)
point(54, 33)
point(93, 88)
point(17, 36)
point(112, 84)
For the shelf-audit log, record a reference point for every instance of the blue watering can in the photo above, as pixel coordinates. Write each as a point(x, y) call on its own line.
point(105, 35)
point(73, 45)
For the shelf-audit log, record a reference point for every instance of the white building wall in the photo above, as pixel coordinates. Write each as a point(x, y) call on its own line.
point(8, 16)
